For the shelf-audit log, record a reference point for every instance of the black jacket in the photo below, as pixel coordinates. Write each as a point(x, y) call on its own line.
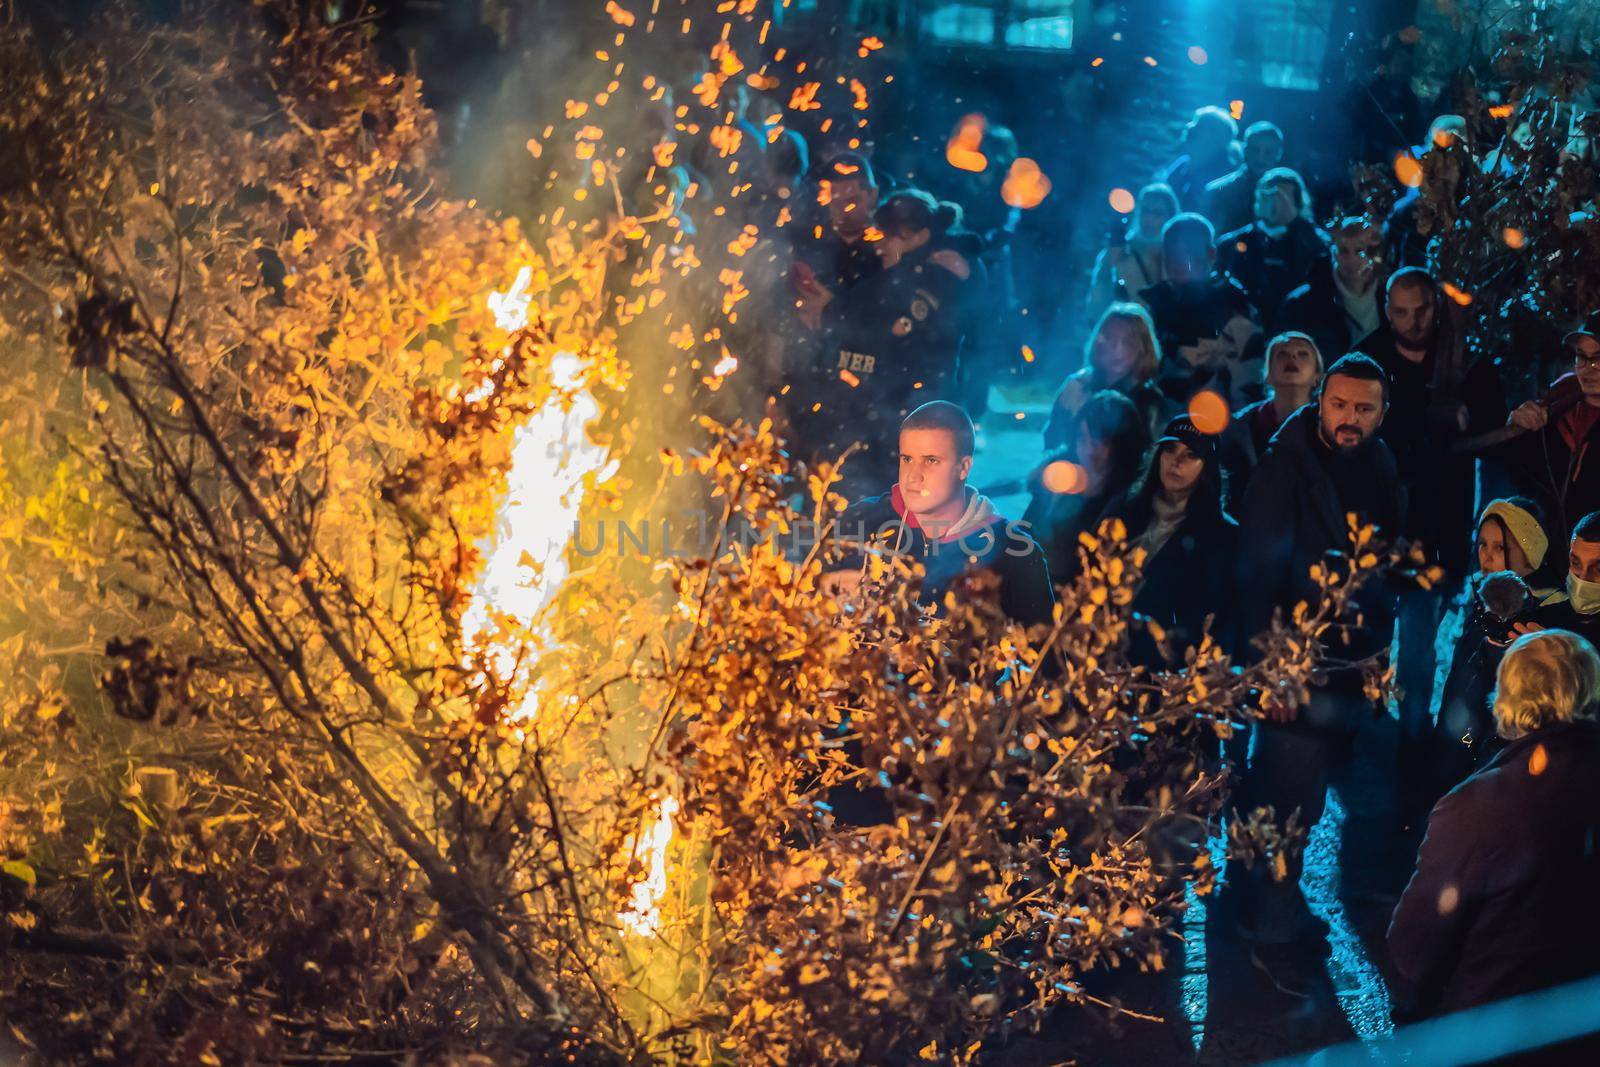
point(1423, 427)
point(1230, 201)
point(1503, 898)
point(982, 540)
point(1210, 338)
point(890, 343)
point(1294, 514)
point(1270, 268)
point(1566, 480)
point(1314, 308)
point(1186, 581)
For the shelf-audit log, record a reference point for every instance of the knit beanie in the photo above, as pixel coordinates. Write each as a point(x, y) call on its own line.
point(1523, 527)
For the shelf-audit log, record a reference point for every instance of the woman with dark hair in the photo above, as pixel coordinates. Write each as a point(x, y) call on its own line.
point(1176, 513)
point(894, 340)
point(1073, 487)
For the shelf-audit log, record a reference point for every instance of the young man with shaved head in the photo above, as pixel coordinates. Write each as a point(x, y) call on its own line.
point(933, 516)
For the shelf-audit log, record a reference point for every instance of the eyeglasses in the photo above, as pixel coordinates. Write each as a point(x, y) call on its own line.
point(1586, 362)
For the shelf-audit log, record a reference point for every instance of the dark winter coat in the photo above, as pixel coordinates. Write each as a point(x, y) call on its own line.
point(1244, 441)
point(1294, 514)
point(1154, 407)
point(1503, 898)
point(1564, 479)
point(1270, 268)
point(1315, 309)
point(980, 540)
point(889, 344)
point(1187, 580)
point(1423, 427)
point(1210, 339)
point(1230, 201)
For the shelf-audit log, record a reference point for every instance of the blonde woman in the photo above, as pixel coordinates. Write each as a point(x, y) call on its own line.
point(1132, 262)
point(1122, 355)
point(1503, 898)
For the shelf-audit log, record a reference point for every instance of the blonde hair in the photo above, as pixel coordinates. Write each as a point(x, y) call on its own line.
point(1284, 338)
point(1547, 677)
point(1145, 329)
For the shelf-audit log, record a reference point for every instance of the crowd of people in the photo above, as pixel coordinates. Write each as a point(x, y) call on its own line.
point(1255, 386)
point(1259, 380)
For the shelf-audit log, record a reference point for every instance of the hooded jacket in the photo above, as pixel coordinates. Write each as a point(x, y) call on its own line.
point(1294, 514)
point(980, 538)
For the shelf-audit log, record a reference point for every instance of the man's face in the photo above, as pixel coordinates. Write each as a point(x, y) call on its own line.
point(1583, 560)
point(1188, 261)
point(1262, 152)
point(931, 474)
point(1351, 410)
point(1412, 315)
point(1293, 366)
point(850, 206)
point(1586, 361)
point(1357, 255)
point(1275, 203)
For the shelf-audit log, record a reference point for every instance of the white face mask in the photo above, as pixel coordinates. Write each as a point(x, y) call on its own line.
point(1585, 596)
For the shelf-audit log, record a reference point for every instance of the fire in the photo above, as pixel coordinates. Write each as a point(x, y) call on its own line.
point(553, 463)
point(642, 916)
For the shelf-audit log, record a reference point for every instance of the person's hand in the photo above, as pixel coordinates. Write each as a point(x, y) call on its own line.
point(1530, 415)
point(1520, 628)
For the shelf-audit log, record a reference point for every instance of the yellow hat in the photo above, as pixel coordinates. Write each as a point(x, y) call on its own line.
point(1523, 527)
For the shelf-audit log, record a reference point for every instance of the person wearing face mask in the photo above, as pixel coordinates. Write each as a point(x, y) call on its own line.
point(1326, 462)
point(1340, 303)
point(1176, 513)
point(1275, 254)
point(933, 516)
point(1577, 606)
point(1122, 355)
point(1514, 575)
point(1132, 262)
point(894, 340)
point(1073, 486)
point(1209, 334)
point(1230, 200)
point(1293, 368)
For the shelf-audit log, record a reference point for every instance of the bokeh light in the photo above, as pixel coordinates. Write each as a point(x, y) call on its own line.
point(1066, 477)
point(1121, 201)
point(1209, 411)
